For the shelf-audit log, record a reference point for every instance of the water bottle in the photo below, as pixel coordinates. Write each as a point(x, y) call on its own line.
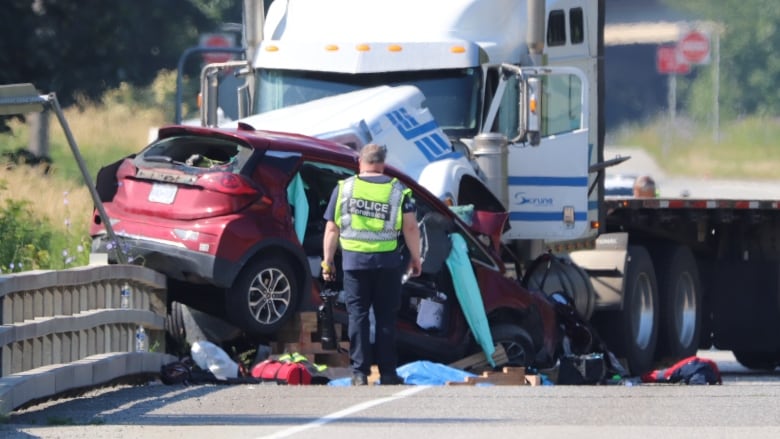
point(140, 339)
point(124, 296)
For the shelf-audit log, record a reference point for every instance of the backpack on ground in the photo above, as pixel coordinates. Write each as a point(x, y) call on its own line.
point(691, 370)
point(282, 372)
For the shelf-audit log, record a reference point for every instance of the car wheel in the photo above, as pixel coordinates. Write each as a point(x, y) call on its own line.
point(174, 322)
point(516, 342)
point(263, 297)
point(175, 330)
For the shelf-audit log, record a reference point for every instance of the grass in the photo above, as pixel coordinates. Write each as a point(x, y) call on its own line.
point(102, 137)
point(65, 203)
point(745, 149)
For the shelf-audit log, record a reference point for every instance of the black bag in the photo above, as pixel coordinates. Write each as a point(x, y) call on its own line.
point(176, 372)
point(325, 324)
point(581, 369)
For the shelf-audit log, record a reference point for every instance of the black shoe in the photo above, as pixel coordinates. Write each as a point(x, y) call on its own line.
point(359, 379)
point(390, 380)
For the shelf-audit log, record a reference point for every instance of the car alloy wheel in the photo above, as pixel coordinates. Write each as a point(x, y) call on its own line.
point(264, 296)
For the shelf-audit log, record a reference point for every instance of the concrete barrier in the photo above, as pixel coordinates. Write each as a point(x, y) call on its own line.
point(65, 330)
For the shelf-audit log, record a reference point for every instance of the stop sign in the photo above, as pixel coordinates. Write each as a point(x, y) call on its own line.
point(694, 47)
point(217, 40)
point(668, 61)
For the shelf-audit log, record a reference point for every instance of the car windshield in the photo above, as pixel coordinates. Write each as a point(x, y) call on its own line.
point(451, 95)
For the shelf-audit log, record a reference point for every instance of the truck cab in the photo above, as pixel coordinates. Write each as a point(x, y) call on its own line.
point(466, 95)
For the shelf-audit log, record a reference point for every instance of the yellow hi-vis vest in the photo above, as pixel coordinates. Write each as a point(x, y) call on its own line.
point(369, 215)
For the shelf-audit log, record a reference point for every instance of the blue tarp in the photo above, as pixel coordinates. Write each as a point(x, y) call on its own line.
point(426, 373)
point(420, 373)
point(297, 199)
point(469, 296)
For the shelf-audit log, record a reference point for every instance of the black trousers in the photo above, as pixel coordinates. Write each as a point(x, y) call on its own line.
point(381, 288)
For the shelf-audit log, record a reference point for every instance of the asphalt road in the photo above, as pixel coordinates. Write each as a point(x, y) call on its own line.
point(745, 406)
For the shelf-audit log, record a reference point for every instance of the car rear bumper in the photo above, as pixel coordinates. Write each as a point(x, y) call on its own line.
point(171, 260)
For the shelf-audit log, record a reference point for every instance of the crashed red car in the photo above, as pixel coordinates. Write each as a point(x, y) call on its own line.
point(234, 218)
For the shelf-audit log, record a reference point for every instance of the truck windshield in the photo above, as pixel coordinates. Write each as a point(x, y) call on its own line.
point(451, 95)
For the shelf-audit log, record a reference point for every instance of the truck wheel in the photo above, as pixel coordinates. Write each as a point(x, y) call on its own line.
point(516, 342)
point(632, 332)
point(680, 303)
point(764, 361)
point(263, 297)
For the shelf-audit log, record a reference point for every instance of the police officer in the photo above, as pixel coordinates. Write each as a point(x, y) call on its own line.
point(644, 187)
point(366, 216)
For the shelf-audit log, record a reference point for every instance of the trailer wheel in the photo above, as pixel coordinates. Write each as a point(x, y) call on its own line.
point(632, 332)
point(680, 303)
point(516, 342)
point(764, 361)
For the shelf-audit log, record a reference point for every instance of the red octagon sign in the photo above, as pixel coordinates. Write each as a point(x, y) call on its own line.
point(694, 47)
point(217, 40)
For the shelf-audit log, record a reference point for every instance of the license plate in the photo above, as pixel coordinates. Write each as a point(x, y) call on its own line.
point(163, 193)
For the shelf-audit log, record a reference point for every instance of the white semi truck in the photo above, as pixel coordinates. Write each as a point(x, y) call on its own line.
point(498, 104)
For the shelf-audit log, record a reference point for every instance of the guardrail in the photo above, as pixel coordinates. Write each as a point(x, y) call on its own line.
point(65, 330)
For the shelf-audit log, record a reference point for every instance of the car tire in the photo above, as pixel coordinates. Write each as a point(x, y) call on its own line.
point(264, 296)
point(174, 322)
point(175, 330)
point(516, 342)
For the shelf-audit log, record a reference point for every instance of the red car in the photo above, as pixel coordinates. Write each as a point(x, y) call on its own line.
point(233, 217)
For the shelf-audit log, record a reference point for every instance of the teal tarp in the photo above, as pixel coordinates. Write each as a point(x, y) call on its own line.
point(297, 198)
point(467, 290)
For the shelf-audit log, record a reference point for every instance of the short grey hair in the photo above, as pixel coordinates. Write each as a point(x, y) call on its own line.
point(373, 153)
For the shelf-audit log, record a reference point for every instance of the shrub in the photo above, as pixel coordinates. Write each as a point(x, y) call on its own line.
point(45, 210)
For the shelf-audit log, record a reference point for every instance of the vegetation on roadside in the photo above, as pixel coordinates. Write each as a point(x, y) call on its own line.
point(43, 221)
point(45, 210)
point(742, 149)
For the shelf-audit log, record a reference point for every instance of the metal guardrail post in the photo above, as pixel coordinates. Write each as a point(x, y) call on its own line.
point(24, 98)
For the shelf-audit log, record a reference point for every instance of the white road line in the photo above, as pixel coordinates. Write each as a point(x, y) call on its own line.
point(346, 412)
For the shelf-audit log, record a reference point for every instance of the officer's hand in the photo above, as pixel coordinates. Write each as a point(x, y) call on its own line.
point(328, 271)
point(415, 267)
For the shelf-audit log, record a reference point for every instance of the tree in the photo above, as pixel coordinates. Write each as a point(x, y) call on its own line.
point(749, 67)
point(84, 47)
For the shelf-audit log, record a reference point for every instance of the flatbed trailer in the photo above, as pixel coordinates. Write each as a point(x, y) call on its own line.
point(708, 270)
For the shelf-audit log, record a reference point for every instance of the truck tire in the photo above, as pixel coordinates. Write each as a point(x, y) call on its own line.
point(632, 332)
point(516, 342)
point(263, 297)
point(764, 361)
point(679, 294)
